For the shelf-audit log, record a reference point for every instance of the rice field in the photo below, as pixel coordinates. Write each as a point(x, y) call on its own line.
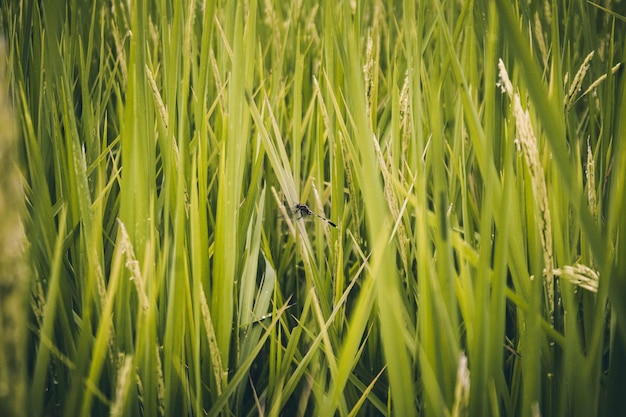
point(351, 208)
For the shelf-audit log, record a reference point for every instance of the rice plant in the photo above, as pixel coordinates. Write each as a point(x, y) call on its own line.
point(312, 208)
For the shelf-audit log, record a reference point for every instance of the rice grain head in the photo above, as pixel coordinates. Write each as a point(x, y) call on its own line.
point(581, 276)
point(133, 265)
point(575, 87)
point(461, 389)
point(528, 143)
point(592, 198)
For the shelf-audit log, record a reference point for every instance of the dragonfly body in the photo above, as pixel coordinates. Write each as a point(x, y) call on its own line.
point(302, 210)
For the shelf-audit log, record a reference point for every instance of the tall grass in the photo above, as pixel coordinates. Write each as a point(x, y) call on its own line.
point(15, 274)
point(471, 153)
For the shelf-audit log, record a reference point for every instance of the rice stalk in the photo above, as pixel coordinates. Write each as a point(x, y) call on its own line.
point(528, 144)
point(575, 86)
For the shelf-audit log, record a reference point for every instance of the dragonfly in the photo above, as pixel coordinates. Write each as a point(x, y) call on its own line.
point(302, 210)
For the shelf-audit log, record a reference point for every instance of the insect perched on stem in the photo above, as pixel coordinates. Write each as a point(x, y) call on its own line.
point(302, 210)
